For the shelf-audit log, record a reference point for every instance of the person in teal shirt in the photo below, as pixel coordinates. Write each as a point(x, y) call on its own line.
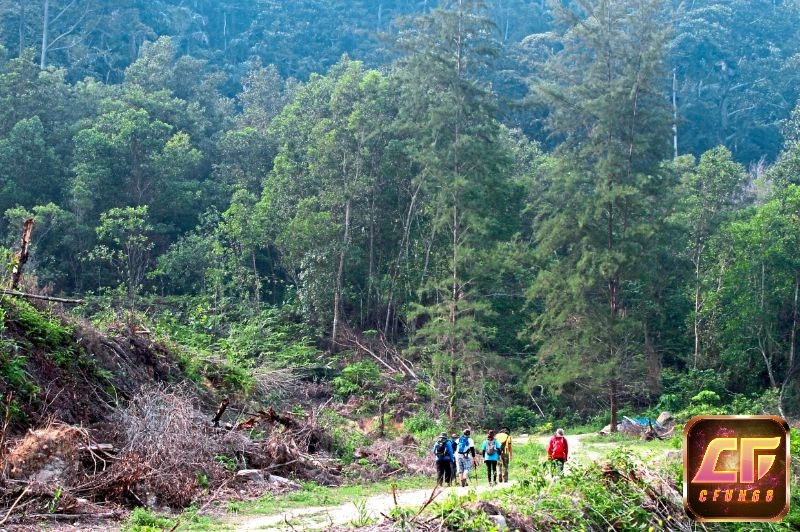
point(491, 454)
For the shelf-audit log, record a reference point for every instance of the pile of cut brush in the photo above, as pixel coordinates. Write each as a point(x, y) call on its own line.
point(160, 450)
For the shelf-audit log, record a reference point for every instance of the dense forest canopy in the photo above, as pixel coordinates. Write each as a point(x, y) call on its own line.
point(573, 206)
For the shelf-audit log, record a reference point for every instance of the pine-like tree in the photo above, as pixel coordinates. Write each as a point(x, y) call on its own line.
point(601, 210)
point(463, 178)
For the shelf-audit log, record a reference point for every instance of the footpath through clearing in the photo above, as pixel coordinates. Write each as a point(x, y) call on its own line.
point(317, 518)
point(321, 517)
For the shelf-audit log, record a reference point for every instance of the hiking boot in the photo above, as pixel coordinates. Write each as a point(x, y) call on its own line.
point(463, 483)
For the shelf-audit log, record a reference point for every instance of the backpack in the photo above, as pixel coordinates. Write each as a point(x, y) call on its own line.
point(463, 444)
point(558, 447)
point(491, 448)
point(441, 448)
point(501, 438)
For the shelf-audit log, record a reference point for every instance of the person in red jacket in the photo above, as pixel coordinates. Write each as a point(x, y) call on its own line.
point(558, 450)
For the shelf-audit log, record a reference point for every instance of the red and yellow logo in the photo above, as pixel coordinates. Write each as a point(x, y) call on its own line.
point(736, 468)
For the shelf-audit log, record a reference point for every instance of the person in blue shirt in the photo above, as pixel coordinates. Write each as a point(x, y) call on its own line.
point(491, 454)
point(443, 451)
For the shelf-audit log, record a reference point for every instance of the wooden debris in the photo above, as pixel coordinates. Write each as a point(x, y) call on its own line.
point(64, 300)
point(221, 410)
point(270, 416)
point(22, 256)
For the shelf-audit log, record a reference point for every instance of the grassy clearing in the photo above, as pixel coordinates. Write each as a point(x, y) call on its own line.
point(313, 495)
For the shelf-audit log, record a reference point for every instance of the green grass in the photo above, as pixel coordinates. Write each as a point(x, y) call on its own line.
point(314, 495)
point(144, 520)
point(525, 458)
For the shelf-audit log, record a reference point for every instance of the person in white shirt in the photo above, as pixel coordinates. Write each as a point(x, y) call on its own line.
point(465, 456)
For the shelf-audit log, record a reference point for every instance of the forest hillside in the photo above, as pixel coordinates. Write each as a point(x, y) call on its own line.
point(408, 215)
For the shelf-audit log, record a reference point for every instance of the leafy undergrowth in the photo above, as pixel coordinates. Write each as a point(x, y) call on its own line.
point(56, 366)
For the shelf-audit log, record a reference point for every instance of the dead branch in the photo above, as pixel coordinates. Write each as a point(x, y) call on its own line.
point(352, 338)
point(435, 493)
point(221, 410)
point(21, 495)
point(22, 256)
point(14, 293)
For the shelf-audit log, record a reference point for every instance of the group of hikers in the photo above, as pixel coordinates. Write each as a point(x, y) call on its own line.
point(456, 455)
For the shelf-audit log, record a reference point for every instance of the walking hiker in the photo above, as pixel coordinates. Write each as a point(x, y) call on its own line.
point(503, 437)
point(443, 451)
point(465, 456)
point(558, 450)
point(490, 450)
point(454, 464)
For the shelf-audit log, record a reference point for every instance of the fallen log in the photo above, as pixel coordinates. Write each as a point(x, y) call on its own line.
point(14, 293)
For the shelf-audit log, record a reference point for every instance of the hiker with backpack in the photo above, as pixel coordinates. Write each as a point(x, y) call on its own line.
point(465, 456)
point(558, 450)
point(491, 454)
point(454, 465)
point(443, 451)
point(503, 438)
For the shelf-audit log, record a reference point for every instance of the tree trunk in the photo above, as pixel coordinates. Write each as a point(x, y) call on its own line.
point(613, 398)
point(22, 27)
point(340, 273)
point(371, 272)
point(763, 340)
point(675, 112)
point(22, 256)
point(653, 363)
point(256, 280)
point(452, 395)
point(403, 245)
point(45, 30)
point(696, 310)
point(790, 368)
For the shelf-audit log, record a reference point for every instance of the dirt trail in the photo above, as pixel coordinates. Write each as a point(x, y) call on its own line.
point(324, 517)
point(578, 451)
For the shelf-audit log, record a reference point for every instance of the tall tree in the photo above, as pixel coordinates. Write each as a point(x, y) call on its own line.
point(709, 192)
point(754, 311)
point(463, 174)
point(599, 216)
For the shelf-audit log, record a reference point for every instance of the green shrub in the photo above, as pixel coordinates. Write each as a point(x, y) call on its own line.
point(706, 397)
point(143, 520)
point(544, 428)
point(681, 386)
point(423, 390)
point(420, 422)
point(356, 377)
point(344, 439)
point(12, 370)
point(519, 417)
point(275, 334)
point(40, 328)
point(704, 402)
